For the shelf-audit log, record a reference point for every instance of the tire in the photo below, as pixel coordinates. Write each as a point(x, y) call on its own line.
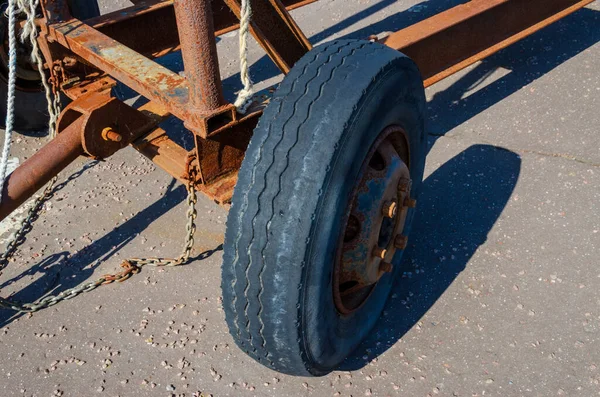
point(30, 112)
point(292, 194)
point(31, 109)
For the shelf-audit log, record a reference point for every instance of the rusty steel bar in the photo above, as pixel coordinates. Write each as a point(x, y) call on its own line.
point(199, 53)
point(45, 164)
point(276, 31)
point(150, 27)
point(165, 153)
point(141, 74)
point(452, 40)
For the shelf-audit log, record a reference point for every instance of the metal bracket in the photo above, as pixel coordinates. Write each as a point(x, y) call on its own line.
point(109, 124)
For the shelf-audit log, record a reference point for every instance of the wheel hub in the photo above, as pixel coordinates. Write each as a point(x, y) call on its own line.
point(375, 223)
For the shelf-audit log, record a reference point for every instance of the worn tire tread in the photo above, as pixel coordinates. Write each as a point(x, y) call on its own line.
point(278, 143)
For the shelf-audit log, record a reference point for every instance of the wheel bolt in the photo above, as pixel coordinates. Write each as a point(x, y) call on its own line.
point(386, 267)
point(389, 209)
point(400, 242)
point(108, 134)
point(403, 185)
point(379, 252)
point(410, 202)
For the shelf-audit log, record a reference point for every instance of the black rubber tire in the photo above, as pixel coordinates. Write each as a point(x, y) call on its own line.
point(293, 190)
point(31, 109)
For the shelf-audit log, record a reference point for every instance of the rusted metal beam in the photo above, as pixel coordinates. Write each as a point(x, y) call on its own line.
point(452, 40)
point(165, 153)
point(37, 170)
point(109, 124)
point(293, 4)
point(150, 27)
point(150, 79)
point(218, 161)
point(199, 53)
point(276, 31)
point(96, 125)
point(141, 74)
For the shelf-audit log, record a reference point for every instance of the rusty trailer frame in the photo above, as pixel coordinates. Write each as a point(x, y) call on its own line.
point(86, 59)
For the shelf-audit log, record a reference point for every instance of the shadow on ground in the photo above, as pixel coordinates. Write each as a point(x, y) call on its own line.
point(461, 201)
point(59, 272)
point(481, 178)
point(458, 205)
point(527, 60)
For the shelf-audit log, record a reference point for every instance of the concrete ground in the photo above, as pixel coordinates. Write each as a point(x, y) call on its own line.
point(501, 290)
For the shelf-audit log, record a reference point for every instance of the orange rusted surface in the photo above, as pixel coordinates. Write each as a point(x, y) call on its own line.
point(122, 44)
point(199, 53)
point(37, 170)
point(155, 32)
point(452, 40)
point(220, 190)
point(131, 68)
point(102, 113)
point(165, 153)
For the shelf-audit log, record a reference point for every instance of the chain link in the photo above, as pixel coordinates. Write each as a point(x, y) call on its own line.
point(26, 225)
point(130, 266)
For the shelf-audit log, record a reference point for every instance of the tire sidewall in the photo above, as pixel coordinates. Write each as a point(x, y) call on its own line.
point(394, 98)
point(31, 108)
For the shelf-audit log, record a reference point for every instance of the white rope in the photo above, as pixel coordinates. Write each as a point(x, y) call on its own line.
point(244, 95)
point(10, 102)
point(28, 34)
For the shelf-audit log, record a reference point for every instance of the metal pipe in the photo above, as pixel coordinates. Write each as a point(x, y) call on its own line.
point(34, 173)
point(199, 53)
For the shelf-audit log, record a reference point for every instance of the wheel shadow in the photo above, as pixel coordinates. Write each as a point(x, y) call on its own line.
point(458, 205)
point(61, 271)
point(461, 201)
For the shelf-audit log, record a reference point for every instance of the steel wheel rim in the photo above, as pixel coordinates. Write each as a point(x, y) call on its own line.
point(373, 227)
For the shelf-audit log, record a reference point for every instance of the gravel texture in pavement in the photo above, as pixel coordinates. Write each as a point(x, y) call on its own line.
point(500, 294)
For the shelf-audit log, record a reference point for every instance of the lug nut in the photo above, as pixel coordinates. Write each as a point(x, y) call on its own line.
point(386, 267)
point(403, 185)
point(400, 242)
point(389, 209)
point(108, 134)
point(410, 202)
point(379, 252)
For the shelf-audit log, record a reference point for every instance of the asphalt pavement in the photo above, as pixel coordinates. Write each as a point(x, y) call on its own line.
point(500, 294)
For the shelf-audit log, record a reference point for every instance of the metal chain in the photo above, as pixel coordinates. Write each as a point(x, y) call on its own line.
point(190, 228)
point(26, 225)
point(130, 266)
point(30, 33)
